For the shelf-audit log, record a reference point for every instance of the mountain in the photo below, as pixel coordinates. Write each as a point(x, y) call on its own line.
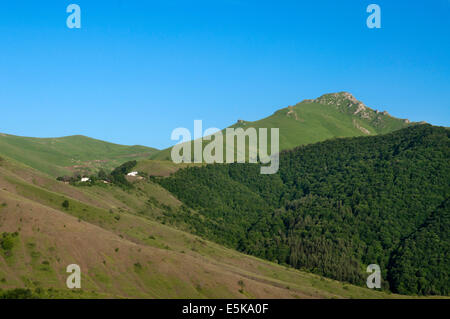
point(69, 155)
point(226, 231)
point(122, 240)
point(329, 116)
point(335, 207)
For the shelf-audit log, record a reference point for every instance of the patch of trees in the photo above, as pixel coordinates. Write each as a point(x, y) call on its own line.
point(65, 204)
point(36, 293)
point(7, 241)
point(117, 176)
point(334, 207)
point(18, 293)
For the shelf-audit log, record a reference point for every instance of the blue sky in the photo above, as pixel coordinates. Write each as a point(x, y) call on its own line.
point(136, 70)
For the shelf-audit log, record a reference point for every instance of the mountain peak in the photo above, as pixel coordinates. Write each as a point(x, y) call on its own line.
point(347, 103)
point(341, 99)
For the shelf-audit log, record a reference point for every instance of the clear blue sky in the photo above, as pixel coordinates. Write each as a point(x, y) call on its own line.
point(138, 69)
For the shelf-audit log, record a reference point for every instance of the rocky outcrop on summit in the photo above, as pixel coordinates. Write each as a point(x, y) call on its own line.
point(347, 103)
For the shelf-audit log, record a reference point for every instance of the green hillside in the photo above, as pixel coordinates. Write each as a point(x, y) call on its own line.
point(329, 116)
point(69, 155)
point(334, 207)
point(119, 239)
point(227, 231)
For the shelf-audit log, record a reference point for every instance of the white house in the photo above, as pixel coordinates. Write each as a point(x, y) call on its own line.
point(85, 179)
point(132, 174)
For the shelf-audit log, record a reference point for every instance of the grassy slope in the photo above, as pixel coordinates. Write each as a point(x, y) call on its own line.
point(133, 256)
point(65, 155)
point(317, 120)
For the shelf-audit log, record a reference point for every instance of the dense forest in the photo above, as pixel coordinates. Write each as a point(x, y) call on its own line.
point(422, 262)
point(334, 207)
